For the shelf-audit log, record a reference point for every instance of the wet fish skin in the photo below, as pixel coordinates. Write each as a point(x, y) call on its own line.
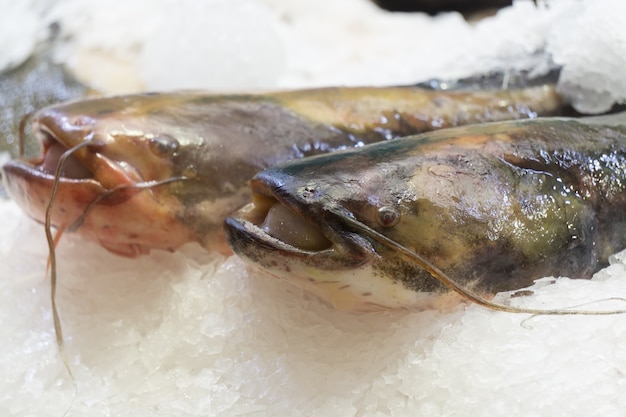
point(494, 206)
point(221, 142)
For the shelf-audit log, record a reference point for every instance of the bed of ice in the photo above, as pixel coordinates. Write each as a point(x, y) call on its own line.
point(196, 334)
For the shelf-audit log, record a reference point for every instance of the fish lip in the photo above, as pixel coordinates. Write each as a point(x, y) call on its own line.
point(28, 169)
point(245, 236)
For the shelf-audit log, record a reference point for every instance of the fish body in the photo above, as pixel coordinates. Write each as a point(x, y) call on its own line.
point(214, 145)
point(493, 206)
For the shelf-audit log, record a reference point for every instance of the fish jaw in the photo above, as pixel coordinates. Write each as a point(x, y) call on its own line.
point(358, 288)
point(129, 224)
point(31, 189)
point(129, 221)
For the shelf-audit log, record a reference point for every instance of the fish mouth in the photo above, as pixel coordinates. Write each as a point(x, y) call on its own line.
point(284, 227)
point(47, 161)
point(30, 181)
point(86, 163)
point(277, 223)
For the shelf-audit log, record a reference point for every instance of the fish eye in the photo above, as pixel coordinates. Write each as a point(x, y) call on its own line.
point(388, 216)
point(163, 145)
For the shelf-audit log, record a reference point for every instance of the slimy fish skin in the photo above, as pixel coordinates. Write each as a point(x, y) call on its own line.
point(162, 170)
point(493, 206)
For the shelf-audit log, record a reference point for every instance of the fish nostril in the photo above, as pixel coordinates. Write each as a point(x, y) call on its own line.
point(81, 121)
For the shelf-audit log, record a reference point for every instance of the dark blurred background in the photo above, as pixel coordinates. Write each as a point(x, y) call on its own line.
point(436, 6)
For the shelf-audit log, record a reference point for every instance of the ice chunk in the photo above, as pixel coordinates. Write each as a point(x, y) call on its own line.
point(121, 46)
point(590, 43)
point(20, 31)
point(216, 45)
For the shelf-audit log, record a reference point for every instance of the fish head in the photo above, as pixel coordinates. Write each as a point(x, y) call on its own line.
point(296, 228)
point(117, 184)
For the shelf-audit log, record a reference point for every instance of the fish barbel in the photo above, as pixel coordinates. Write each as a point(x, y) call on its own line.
point(159, 170)
point(494, 207)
